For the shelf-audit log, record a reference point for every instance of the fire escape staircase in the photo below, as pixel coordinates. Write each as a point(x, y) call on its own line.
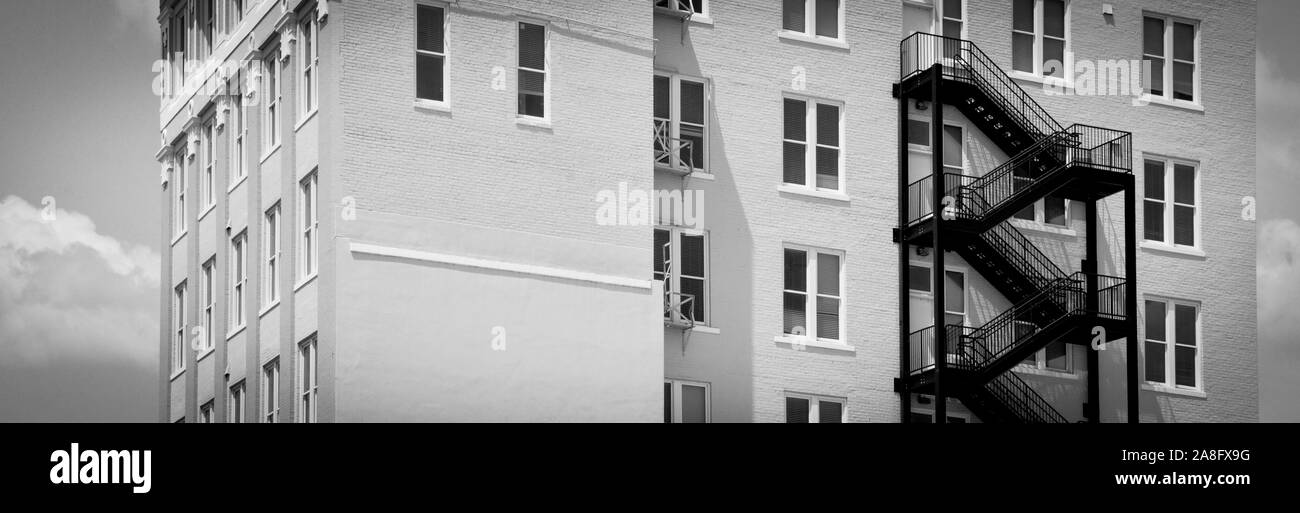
point(1078, 162)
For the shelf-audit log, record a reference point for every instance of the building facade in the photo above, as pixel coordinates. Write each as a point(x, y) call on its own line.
point(448, 211)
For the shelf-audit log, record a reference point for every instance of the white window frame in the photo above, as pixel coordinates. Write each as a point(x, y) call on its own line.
point(309, 222)
point(271, 391)
point(307, 410)
point(1171, 345)
point(445, 102)
point(1169, 60)
point(675, 234)
point(546, 73)
point(236, 403)
point(207, 295)
point(178, 338)
point(811, 144)
point(271, 268)
point(180, 182)
point(208, 154)
point(270, 92)
point(234, 14)
point(675, 115)
point(812, 294)
point(207, 29)
point(1040, 365)
point(1170, 204)
point(308, 64)
point(814, 406)
point(238, 281)
point(929, 295)
point(809, 31)
point(676, 399)
point(1039, 35)
point(206, 412)
point(237, 127)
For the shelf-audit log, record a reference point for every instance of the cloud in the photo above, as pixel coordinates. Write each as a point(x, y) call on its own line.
point(69, 293)
point(1278, 272)
point(1278, 99)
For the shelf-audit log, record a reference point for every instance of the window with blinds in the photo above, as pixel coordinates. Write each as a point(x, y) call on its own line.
point(532, 70)
point(430, 53)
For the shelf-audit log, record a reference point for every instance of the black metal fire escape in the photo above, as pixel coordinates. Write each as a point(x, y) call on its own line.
point(969, 215)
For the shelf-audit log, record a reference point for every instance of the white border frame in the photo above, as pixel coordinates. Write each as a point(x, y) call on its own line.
point(676, 398)
point(426, 103)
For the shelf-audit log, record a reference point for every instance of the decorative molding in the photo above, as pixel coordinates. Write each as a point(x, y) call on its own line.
point(322, 11)
point(480, 263)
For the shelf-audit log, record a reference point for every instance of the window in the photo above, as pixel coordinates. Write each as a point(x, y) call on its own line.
point(954, 292)
point(821, 19)
point(683, 267)
point(307, 381)
point(812, 146)
point(1171, 46)
point(681, 128)
point(270, 92)
point(177, 45)
point(238, 278)
point(206, 295)
point(271, 255)
point(687, 402)
point(1049, 211)
point(1055, 357)
point(813, 285)
point(234, 14)
point(270, 387)
point(235, 403)
point(179, 184)
point(178, 339)
point(1040, 37)
point(812, 409)
point(309, 60)
point(695, 7)
point(927, 417)
point(209, 156)
point(430, 53)
point(1177, 323)
point(307, 212)
point(238, 128)
point(1171, 191)
point(205, 413)
point(532, 70)
point(207, 21)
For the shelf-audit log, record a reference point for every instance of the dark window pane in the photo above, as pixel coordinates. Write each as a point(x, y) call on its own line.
point(1184, 86)
point(428, 77)
point(956, 420)
point(828, 125)
point(693, 255)
point(1185, 325)
point(692, 102)
point(1154, 179)
point(1154, 223)
point(662, 94)
point(1153, 36)
point(795, 160)
point(796, 120)
point(1053, 57)
point(1155, 321)
point(830, 412)
point(952, 146)
point(918, 278)
point(828, 168)
point(1185, 366)
point(828, 275)
point(694, 288)
point(1058, 356)
point(532, 105)
point(1184, 42)
point(429, 25)
point(796, 410)
point(693, 404)
point(661, 249)
point(1022, 15)
point(951, 29)
point(1184, 184)
point(1184, 225)
point(922, 418)
point(952, 9)
point(1155, 81)
point(954, 292)
point(918, 132)
point(1054, 211)
point(1054, 18)
point(1155, 362)
point(792, 15)
point(1022, 52)
point(796, 270)
point(668, 403)
point(828, 318)
point(795, 312)
point(828, 18)
point(532, 46)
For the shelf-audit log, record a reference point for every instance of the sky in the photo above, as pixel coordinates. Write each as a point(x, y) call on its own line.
point(79, 210)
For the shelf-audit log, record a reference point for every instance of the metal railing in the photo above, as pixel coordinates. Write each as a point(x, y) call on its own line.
point(673, 153)
point(964, 62)
point(1025, 258)
point(1025, 404)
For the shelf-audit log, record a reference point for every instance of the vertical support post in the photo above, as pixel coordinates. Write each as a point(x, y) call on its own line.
point(1093, 411)
point(1130, 293)
point(937, 270)
point(904, 313)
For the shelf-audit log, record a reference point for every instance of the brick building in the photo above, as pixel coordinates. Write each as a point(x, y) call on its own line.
point(436, 211)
